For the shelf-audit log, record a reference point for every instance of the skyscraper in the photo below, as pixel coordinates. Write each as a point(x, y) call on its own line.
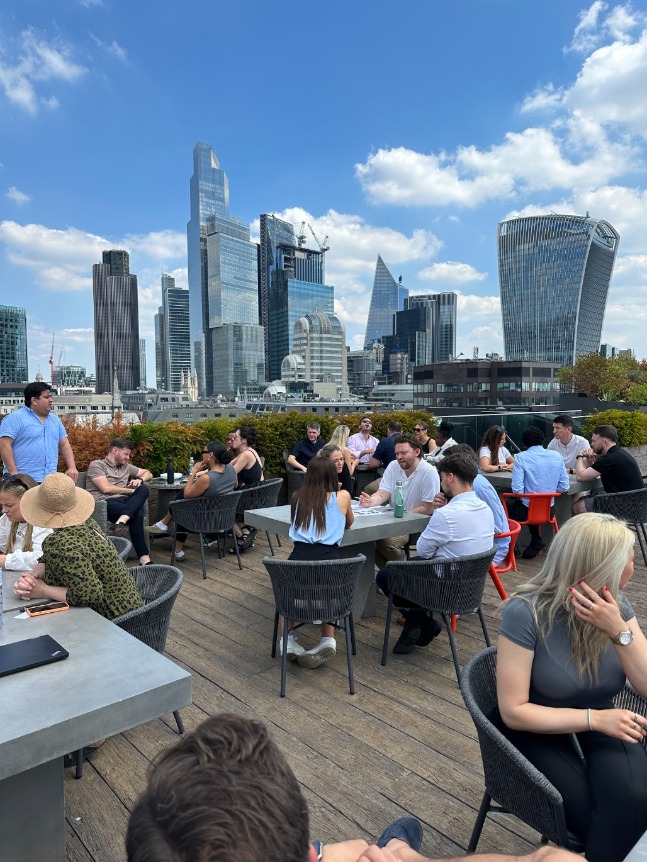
point(142, 362)
point(320, 339)
point(116, 322)
point(388, 297)
point(426, 329)
point(160, 372)
point(175, 333)
point(554, 274)
point(274, 232)
point(13, 344)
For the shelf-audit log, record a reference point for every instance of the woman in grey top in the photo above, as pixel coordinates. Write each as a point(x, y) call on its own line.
point(568, 641)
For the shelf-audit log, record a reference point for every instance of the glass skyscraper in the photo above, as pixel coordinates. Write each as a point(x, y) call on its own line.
point(388, 297)
point(274, 232)
point(176, 337)
point(554, 275)
point(116, 322)
point(13, 344)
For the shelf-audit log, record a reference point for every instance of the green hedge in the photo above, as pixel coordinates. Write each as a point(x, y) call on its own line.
point(631, 425)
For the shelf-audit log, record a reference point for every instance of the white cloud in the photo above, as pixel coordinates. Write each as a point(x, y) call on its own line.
point(14, 194)
point(594, 26)
point(451, 272)
point(113, 48)
point(89, 4)
point(586, 34)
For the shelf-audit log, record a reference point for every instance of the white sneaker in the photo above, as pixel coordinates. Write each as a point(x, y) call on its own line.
point(294, 648)
point(325, 650)
point(180, 555)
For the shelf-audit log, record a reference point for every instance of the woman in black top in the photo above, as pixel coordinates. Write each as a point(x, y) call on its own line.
point(249, 469)
point(335, 454)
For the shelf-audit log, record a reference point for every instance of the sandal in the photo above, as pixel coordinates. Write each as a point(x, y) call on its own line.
point(248, 538)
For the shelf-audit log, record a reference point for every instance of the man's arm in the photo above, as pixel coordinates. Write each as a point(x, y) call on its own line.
point(6, 453)
point(563, 484)
point(583, 472)
point(144, 475)
point(518, 477)
point(379, 498)
point(101, 482)
point(434, 535)
point(68, 456)
point(292, 462)
point(374, 463)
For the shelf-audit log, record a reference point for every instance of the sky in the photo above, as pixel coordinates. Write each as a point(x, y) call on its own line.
point(408, 130)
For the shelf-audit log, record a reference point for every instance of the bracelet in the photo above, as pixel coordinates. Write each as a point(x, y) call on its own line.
point(588, 718)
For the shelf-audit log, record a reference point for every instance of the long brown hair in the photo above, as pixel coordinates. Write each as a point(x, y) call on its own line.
point(16, 487)
point(493, 440)
point(309, 502)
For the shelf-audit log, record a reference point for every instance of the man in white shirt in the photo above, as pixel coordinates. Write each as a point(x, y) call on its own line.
point(420, 484)
point(461, 525)
point(567, 444)
point(363, 444)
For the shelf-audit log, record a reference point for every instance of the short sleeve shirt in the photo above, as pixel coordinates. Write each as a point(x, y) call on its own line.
point(385, 452)
point(420, 487)
point(618, 471)
point(35, 444)
point(116, 475)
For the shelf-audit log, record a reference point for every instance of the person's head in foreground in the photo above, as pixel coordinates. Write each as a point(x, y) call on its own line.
point(12, 490)
point(224, 792)
point(57, 503)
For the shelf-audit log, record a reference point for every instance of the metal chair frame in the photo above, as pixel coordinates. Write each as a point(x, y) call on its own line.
point(510, 561)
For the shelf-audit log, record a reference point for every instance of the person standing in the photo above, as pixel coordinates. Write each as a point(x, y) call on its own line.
point(32, 437)
point(565, 442)
point(363, 444)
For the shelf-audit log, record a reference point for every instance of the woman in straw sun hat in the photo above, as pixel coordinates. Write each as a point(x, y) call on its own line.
point(78, 564)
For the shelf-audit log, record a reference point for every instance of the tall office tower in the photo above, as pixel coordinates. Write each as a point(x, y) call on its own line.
point(320, 339)
point(239, 358)
point(361, 367)
point(13, 344)
point(554, 274)
point(296, 287)
point(274, 232)
point(160, 370)
point(176, 343)
point(142, 362)
point(425, 330)
point(388, 297)
point(116, 323)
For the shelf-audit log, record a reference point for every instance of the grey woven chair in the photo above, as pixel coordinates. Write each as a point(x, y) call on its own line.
point(158, 586)
point(630, 699)
point(446, 586)
point(314, 590)
point(261, 496)
point(205, 516)
point(629, 506)
point(511, 781)
point(122, 545)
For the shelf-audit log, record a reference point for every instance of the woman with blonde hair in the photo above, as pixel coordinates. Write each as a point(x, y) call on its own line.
point(20, 542)
point(568, 641)
point(340, 438)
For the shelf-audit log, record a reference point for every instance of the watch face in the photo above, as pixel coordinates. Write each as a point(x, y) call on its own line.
point(625, 638)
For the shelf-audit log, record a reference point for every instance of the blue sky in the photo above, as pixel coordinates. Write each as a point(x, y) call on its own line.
point(404, 129)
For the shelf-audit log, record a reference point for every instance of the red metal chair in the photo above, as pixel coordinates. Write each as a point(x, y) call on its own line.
point(538, 510)
point(509, 562)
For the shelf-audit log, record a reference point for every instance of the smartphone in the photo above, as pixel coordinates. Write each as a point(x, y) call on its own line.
point(46, 608)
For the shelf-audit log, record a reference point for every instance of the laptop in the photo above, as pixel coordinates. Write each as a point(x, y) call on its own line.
point(33, 652)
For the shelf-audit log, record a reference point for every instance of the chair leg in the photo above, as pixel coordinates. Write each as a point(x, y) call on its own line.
point(178, 721)
point(349, 655)
point(642, 540)
point(204, 565)
point(236, 548)
point(78, 756)
point(173, 544)
point(480, 820)
point(454, 620)
point(269, 542)
point(275, 633)
point(278, 540)
point(483, 626)
point(497, 582)
point(387, 630)
point(452, 644)
point(284, 657)
point(352, 633)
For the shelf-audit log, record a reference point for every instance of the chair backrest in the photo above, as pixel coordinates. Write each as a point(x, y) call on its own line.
point(314, 589)
point(122, 545)
point(260, 496)
point(100, 514)
point(629, 698)
point(628, 506)
point(206, 514)
point(514, 528)
point(451, 586)
point(510, 779)
point(538, 508)
point(158, 586)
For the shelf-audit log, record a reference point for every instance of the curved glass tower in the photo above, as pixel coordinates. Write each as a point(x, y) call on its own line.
point(554, 275)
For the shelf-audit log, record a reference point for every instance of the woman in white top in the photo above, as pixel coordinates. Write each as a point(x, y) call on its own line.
point(493, 456)
point(20, 543)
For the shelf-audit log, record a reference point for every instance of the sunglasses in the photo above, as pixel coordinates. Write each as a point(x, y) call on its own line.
point(419, 429)
point(14, 480)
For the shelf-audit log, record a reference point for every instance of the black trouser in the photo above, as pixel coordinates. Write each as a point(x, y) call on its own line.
point(519, 512)
point(314, 551)
point(413, 613)
point(133, 506)
point(605, 802)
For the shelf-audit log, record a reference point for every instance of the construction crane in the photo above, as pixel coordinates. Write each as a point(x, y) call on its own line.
point(51, 360)
point(301, 236)
point(323, 246)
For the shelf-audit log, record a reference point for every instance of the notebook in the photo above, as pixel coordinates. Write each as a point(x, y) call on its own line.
point(33, 652)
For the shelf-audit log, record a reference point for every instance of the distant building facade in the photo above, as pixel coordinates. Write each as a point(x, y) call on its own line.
point(554, 275)
point(320, 339)
point(425, 330)
point(175, 348)
point(142, 362)
point(388, 296)
point(274, 232)
point(116, 322)
point(238, 355)
point(13, 345)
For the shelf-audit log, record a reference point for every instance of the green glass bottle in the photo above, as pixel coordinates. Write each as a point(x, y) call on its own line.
point(398, 500)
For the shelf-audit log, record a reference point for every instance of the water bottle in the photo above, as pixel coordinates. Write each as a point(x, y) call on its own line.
point(1, 605)
point(398, 500)
point(170, 472)
point(191, 464)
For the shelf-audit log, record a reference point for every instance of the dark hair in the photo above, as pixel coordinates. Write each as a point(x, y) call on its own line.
point(445, 430)
point(461, 464)
point(564, 419)
point(327, 450)
point(607, 431)
point(464, 448)
point(120, 443)
point(248, 434)
point(492, 439)
point(35, 390)
point(410, 439)
point(532, 436)
point(220, 452)
point(309, 502)
point(395, 426)
point(224, 791)
point(315, 425)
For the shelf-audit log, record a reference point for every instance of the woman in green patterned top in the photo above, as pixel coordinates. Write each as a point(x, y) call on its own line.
point(78, 564)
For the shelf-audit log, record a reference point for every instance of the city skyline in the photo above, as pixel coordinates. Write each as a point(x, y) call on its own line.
point(417, 161)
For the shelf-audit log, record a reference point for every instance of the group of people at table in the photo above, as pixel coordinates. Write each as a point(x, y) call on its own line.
point(568, 638)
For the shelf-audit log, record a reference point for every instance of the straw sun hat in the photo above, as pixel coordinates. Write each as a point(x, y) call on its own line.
point(57, 502)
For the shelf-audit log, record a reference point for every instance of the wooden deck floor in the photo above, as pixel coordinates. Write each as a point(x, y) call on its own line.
point(404, 743)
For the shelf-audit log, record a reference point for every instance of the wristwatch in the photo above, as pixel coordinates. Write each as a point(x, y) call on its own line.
point(623, 638)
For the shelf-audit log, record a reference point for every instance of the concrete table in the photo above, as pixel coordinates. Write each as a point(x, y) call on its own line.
point(360, 539)
point(111, 682)
point(165, 494)
point(10, 600)
point(639, 852)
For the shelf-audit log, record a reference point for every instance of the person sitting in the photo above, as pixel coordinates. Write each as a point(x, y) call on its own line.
point(332, 451)
point(210, 477)
point(122, 485)
point(385, 451)
point(320, 514)
point(535, 471)
point(249, 471)
point(78, 564)
point(304, 450)
point(616, 467)
point(340, 437)
point(460, 525)
point(363, 444)
point(564, 442)
point(420, 484)
point(568, 640)
point(444, 440)
point(427, 443)
point(20, 542)
point(493, 455)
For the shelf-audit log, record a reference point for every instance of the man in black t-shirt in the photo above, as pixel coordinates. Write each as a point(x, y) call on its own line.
point(618, 469)
point(304, 451)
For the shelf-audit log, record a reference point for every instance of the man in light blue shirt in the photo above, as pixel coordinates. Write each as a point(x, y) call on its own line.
point(31, 437)
point(535, 471)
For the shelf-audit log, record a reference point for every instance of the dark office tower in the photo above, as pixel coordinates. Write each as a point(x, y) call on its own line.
point(176, 344)
point(142, 362)
point(116, 323)
point(443, 322)
point(13, 345)
point(388, 297)
point(160, 372)
point(274, 232)
point(554, 274)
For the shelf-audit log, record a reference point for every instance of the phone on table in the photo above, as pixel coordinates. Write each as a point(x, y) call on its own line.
point(46, 608)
